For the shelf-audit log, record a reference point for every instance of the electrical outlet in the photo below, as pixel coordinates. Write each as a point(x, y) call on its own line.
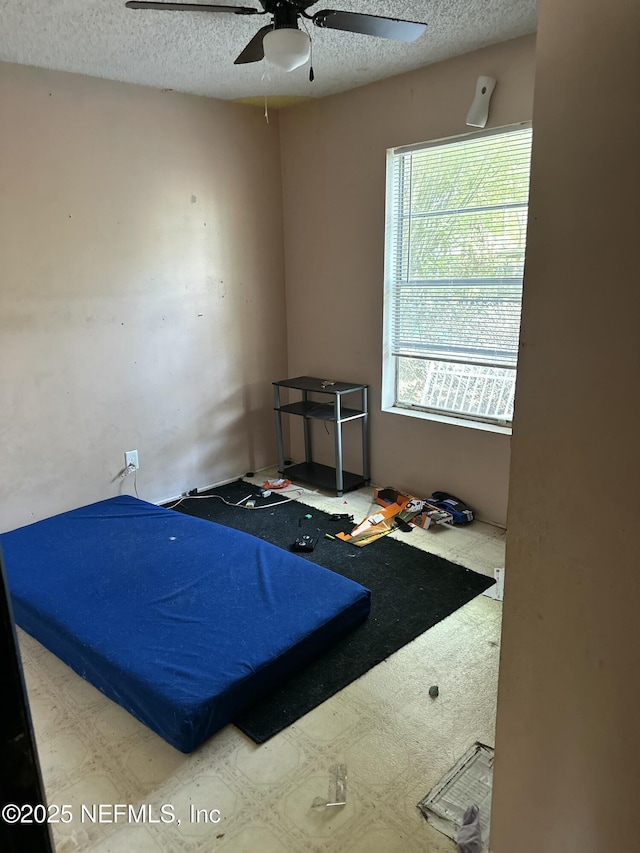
point(131, 458)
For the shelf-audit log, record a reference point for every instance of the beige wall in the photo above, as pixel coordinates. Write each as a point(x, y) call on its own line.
point(141, 290)
point(568, 740)
point(333, 161)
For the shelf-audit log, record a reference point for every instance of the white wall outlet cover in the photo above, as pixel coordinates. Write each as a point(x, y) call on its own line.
point(131, 458)
point(478, 114)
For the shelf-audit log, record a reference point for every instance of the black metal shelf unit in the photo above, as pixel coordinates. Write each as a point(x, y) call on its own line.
point(323, 476)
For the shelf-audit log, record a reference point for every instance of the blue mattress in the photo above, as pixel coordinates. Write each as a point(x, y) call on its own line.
point(183, 622)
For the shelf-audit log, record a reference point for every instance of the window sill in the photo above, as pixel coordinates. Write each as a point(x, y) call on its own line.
point(448, 419)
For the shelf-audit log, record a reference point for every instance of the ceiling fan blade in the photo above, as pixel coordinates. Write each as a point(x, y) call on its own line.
point(254, 51)
point(192, 7)
point(369, 25)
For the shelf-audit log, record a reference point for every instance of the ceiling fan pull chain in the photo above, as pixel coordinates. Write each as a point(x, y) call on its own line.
point(312, 75)
point(266, 77)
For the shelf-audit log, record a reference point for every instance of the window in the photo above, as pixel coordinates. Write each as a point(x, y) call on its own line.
point(454, 261)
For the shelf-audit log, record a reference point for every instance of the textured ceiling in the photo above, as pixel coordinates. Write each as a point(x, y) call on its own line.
point(194, 52)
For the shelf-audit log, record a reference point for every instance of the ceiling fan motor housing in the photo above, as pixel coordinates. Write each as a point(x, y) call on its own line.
point(285, 14)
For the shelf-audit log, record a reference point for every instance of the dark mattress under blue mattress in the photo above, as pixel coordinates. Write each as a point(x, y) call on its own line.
point(183, 622)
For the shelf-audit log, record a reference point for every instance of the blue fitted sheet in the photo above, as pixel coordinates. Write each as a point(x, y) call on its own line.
point(183, 622)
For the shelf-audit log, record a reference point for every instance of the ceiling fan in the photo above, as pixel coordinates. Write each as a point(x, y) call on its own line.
point(281, 41)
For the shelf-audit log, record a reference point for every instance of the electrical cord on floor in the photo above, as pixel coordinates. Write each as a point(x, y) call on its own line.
point(240, 504)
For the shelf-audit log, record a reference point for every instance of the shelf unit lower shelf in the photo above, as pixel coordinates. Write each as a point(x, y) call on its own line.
point(323, 476)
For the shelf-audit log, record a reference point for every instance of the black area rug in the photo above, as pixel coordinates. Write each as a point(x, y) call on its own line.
point(411, 590)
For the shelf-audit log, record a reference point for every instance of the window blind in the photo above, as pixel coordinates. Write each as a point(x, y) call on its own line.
point(456, 232)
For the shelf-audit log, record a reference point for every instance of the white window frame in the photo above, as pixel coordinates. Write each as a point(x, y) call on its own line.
point(390, 360)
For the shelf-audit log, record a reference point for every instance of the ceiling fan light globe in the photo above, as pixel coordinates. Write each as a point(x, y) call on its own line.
point(287, 48)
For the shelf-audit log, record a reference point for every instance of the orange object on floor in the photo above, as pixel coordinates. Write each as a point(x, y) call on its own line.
point(276, 484)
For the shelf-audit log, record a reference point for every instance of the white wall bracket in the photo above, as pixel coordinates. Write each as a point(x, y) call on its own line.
point(479, 111)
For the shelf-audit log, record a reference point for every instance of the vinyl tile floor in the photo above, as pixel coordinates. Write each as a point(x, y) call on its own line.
point(395, 741)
